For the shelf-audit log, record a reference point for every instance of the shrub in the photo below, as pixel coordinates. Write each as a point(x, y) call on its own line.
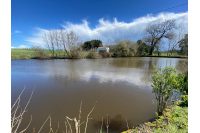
point(93, 54)
point(124, 48)
point(41, 54)
point(104, 54)
point(182, 87)
point(74, 53)
point(163, 81)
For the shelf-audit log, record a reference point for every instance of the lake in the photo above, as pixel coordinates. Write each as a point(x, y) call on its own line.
point(121, 87)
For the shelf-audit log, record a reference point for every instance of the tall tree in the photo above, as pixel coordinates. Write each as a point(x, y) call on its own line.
point(156, 32)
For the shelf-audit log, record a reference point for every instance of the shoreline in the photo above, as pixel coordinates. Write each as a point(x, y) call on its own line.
point(50, 58)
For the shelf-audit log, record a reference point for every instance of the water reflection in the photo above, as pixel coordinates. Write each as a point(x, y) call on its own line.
point(115, 124)
point(120, 85)
point(135, 70)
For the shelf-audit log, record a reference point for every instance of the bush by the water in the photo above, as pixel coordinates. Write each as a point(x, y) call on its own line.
point(104, 54)
point(93, 54)
point(124, 48)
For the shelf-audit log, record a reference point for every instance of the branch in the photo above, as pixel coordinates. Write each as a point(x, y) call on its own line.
point(88, 116)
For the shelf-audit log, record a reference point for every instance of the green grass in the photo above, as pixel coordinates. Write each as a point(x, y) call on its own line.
point(174, 120)
point(30, 53)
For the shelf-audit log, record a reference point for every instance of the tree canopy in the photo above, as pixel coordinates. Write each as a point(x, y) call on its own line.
point(92, 44)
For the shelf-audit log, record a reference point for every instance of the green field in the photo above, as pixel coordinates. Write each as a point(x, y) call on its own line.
point(23, 53)
point(31, 53)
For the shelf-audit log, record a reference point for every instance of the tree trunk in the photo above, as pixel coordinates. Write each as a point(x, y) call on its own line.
point(151, 50)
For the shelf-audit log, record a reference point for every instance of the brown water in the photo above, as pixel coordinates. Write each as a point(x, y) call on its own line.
point(121, 87)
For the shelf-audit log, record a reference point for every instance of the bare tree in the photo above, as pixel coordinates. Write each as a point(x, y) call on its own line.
point(46, 41)
point(156, 32)
point(72, 40)
point(52, 42)
point(174, 41)
point(57, 40)
point(63, 39)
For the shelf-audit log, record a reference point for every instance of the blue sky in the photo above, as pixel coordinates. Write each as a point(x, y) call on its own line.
point(90, 19)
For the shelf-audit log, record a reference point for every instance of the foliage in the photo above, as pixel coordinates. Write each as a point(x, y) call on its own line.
point(143, 48)
point(93, 54)
point(163, 82)
point(124, 48)
point(74, 53)
point(173, 120)
point(182, 87)
point(104, 54)
point(41, 54)
point(92, 44)
point(183, 44)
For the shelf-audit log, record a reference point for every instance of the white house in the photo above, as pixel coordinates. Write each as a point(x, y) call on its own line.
point(103, 48)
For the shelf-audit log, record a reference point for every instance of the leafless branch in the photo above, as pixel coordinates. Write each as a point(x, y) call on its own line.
point(88, 116)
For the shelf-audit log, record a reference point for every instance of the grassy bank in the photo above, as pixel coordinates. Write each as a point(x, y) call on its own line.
point(173, 120)
point(46, 54)
point(43, 53)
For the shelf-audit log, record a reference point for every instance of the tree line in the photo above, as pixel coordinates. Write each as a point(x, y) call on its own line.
point(157, 35)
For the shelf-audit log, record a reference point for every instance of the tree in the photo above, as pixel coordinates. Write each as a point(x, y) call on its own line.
point(92, 44)
point(173, 42)
point(124, 48)
point(48, 40)
point(164, 82)
point(183, 44)
point(57, 40)
point(158, 31)
point(63, 39)
point(143, 48)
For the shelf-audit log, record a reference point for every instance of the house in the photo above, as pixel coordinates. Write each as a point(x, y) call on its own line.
point(103, 48)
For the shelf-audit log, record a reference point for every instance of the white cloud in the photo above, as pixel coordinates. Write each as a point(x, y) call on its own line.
point(106, 30)
point(17, 32)
point(22, 46)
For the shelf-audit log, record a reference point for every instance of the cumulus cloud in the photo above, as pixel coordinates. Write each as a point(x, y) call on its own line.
point(110, 30)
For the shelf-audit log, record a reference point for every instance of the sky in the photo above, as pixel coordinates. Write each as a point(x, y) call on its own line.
point(106, 20)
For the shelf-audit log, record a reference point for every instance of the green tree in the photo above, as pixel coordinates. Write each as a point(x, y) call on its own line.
point(92, 44)
point(124, 48)
point(143, 48)
point(163, 83)
point(183, 44)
